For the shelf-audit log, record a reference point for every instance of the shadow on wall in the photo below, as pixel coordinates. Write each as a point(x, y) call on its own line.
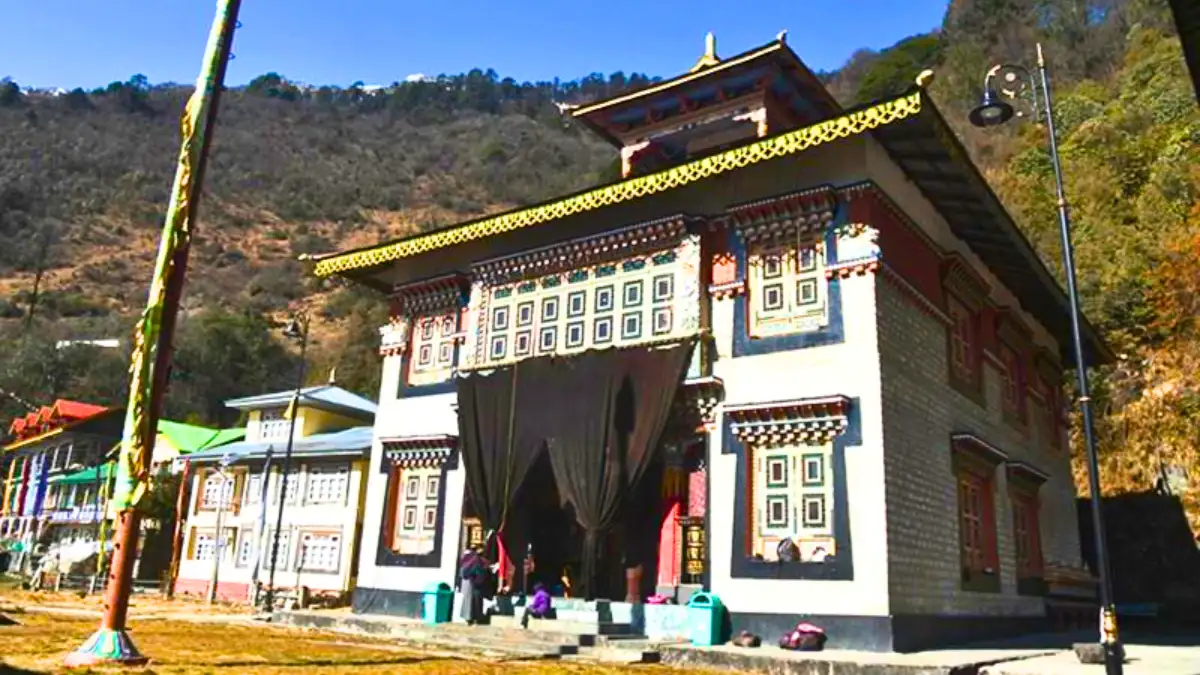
point(1154, 554)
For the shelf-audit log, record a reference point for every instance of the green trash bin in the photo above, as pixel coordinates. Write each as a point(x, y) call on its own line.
point(705, 614)
point(437, 602)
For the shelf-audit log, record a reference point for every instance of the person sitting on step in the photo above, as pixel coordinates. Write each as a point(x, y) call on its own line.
point(539, 605)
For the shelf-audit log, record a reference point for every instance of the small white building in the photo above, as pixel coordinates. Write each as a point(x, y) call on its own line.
point(322, 510)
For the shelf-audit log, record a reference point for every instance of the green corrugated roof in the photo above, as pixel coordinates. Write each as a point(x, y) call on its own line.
point(188, 438)
point(225, 436)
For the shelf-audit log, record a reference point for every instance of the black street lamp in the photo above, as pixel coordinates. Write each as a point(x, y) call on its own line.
point(297, 329)
point(994, 111)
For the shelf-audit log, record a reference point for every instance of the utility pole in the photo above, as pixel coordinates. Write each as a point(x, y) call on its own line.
point(110, 644)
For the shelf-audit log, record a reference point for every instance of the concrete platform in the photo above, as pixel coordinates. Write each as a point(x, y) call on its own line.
point(1141, 659)
point(1031, 655)
point(506, 640)
point(776, 661)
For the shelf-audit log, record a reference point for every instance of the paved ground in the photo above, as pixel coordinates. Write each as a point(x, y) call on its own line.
point(1142, 659)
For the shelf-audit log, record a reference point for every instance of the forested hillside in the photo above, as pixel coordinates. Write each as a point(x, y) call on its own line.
point(84, 178)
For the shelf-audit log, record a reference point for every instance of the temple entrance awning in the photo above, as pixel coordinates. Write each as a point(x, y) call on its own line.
point(599, 416)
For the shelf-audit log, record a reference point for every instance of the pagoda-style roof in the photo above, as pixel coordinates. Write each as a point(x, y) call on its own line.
point(773, 68)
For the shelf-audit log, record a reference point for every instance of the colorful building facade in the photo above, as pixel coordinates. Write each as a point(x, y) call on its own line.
point(60, 469)
point(318, 543)
point(867, 429)
point(54, 442)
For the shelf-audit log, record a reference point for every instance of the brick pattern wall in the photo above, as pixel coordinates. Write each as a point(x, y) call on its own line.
point(920, 412)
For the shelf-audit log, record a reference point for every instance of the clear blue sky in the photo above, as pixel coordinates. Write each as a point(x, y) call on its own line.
point(89, 43)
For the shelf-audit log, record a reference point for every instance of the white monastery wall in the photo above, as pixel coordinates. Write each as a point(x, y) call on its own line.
point(412, 416)
point(850, 368)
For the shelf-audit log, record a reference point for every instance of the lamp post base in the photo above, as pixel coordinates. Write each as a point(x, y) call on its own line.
point(106, 647)
point(1110, 655)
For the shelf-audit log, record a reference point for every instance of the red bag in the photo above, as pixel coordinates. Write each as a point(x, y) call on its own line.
point(804, 638)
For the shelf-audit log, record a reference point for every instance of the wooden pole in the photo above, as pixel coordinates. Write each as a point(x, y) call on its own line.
point(181, 507)
point(110, 645)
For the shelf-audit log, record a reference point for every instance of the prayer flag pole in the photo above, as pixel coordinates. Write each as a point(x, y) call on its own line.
point(150, 365)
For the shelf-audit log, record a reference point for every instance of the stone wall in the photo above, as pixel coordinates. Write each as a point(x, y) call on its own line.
point(920, 412)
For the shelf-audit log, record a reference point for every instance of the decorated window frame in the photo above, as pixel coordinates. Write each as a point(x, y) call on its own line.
point(789, 270)
point(319, 550)
point(638, 285)
point(220, 488)
point(1013, 347)
point(966, 296)
point(1048, 378)
point(974, 463)
point(283, 561)
point(414, 505)
point(792, 487)
point(245, 548)
point(787, 289)
point(1024, 487)
point(204, 543)
point(431, 356)
point(328, 484)
point(273, 424)
point(426, 331)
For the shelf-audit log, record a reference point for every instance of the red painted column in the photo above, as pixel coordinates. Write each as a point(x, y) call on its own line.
point(669, 545)
point(504, 577)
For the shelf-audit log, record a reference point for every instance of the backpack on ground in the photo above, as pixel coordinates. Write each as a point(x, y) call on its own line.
point(805, 637)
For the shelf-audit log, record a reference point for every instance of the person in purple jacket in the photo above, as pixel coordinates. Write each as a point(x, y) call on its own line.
point(539, 605)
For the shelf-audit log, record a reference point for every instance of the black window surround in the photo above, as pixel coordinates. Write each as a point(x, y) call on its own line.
point(408, 452)
point(835, 412)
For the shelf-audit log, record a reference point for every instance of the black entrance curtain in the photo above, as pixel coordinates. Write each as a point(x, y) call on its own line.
point(605, 424)
point(498, 440)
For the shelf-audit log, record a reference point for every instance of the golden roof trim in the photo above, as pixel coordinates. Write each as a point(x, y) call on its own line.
point(792, 142)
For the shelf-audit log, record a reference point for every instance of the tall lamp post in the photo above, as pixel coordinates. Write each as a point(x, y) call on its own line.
point(994, 111)
point(297, 329)
point(226, 461)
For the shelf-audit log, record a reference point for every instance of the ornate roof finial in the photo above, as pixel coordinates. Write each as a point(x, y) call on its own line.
point(925, 78)
point(710, 53)
point(333, 375)
point(782, 37)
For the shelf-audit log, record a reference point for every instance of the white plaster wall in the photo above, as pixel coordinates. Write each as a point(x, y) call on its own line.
point(341, 517)
point(850, 369)
point(411, 416)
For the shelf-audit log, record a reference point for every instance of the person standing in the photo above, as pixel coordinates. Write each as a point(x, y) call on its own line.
point(472, 570)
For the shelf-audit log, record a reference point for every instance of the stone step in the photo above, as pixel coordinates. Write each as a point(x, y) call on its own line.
point(492, 644)
point(615, 655)
point(565, 626)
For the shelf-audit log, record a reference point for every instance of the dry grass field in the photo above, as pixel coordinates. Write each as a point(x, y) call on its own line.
point(37, 642)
